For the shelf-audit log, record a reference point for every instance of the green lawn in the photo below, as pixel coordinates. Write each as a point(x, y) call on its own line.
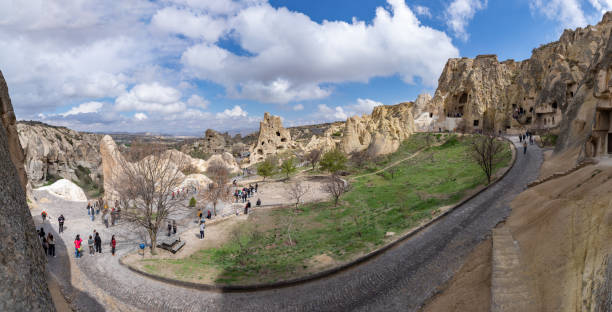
point(377, 204)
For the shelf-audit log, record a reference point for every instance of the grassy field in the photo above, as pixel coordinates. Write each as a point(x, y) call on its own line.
point(296, 242)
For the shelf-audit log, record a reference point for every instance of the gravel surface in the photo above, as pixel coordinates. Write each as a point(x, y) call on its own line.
point(400, 279)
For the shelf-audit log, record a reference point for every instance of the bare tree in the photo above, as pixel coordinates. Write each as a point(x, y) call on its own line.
point(145, 183)
point(219, 190)
point(360, 158)
point(313, 157)
point(296, 192)
point(487, 150)
point(335, 187)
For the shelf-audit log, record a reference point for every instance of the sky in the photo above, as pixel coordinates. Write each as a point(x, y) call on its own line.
point(183, 66)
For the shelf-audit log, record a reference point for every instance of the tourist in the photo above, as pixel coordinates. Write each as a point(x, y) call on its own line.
point(208, 215)
point(520, 137)
point(246, 207)
point(525, 147)
point(200, 215)
point(77, 246)
point(105, 218)
point(92, 214)
point(174, 227)
point(202, 227)
point(43, 214)
point(256, 187)
point(258, 203)
point(98, 242)
point(90, 243)
point(60, 221)
point(113, 244)
point(41, 233)
point(169, 228)
point(88, 208)
point(51, 244)
point(45, 245)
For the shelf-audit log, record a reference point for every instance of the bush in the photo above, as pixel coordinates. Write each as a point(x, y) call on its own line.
point(333, 161)
point(192, 202)
point(266, 168)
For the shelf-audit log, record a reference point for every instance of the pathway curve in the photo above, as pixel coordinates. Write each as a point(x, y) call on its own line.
point(400, 279)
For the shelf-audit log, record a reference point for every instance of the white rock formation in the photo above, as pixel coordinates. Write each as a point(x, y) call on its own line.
point(65, 189)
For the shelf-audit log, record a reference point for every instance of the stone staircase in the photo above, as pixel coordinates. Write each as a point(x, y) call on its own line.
point(580, 165)
point(509, 288)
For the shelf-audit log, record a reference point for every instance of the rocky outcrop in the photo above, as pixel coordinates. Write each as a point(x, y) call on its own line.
point(53, 152)
point(66, 190)
point(111, 166)
point(380, 133)
point(273, 139)
point(7, 116)
point(22, 262)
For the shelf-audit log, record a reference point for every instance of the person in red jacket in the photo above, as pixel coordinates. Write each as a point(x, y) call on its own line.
point(77, 246)
point(113, 244)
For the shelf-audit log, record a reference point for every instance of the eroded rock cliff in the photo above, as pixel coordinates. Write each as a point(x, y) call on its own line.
point(273, 139)
point(22, 262)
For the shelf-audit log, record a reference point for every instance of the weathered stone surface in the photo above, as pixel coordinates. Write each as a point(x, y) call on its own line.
point(66, 189)
point(7, 116)
point(111, 160)
point(273, 139)
point(58, 151)
point(22, 262)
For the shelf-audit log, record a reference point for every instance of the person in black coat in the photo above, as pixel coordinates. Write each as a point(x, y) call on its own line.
point(98, 242)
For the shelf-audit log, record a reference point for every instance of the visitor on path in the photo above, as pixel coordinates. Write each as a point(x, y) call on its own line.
point(202, 227)
point(169, 228)
point(77, 246)
point(105, 218)
point(174, 227)
point(246, 207)
point(92, 214)
point(525, 147)
point(43, 214)
point(41, 233)
point(208, 215)
point(51, 244)
point(256, 187)
point(98, 242)
point(258, 203)
point(88, 208)
point(113, 244)
point(112, 216)
point(530, 140)
point(60, 221)
point(520, 137)
point(90, 243)
point(200, 215)
point(45, 245)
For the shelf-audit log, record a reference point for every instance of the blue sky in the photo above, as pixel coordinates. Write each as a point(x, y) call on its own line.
point(182, 66)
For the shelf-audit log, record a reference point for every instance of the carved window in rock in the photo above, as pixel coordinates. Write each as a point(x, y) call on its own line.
point(284, 140)
point(554, 105)
point(476, 122)
point(277, 133)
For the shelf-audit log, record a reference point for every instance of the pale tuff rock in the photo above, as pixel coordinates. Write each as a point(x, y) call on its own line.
point(66, 190)
point(380, 133)
point(58, 151)
point(24, 284)
point(7, 116)
point(111, 166)
point(197, 180)
point(202, 165)
point(273, 139)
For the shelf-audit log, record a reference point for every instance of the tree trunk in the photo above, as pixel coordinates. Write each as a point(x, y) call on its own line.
point(153, 237)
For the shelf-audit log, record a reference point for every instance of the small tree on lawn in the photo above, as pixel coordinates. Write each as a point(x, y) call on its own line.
point(192, 202)
point(288, 166)
point(487, 151)
point(266, 168)
point(296, 193)
point(313, 157)
point(219, 190)
point(335, 187)
point(333, 161)
point(144, 180)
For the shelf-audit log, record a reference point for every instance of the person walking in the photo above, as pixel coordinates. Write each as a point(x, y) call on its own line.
point(90, 243)
point(98, 242)
point(169, 228)
point(246, 207)
point(60, 221)
point(113, 244)
point(88, 208)
point(256, 187)
point(208, 215)
point(43, 214)
point(51, 244)
point(174, 227)
point(258, 203)
point(105, 218)
point(77, 246)
point(200, 215)
point(45, 245)
point(525, 147)
point(41, 233)
point(202, 227)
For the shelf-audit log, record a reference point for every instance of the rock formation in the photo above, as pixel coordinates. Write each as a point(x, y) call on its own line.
point(66, 190)
point(380, 133)
point(58, 152)
point(22, 262)
point(273, 139)
point(111, 164)
point(9, 122)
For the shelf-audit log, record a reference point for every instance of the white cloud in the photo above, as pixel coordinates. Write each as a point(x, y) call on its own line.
point(291, 57)
point(189, 23)
point(459, 13)
point(567, 12)
point(363, 106)
point(89, 107)
point(601, 5)
point(298, 107)
point(140, 116)
point(198, 101)
point(152, 97)
point(422, 10)
point(235, 112)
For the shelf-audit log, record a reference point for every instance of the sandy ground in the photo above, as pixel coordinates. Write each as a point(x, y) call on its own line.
point(277, 192)
point(470, 288)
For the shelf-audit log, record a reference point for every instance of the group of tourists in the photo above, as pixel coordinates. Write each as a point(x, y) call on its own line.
point(94, 242)
point(171, 227)
point(47, 241)
point(523, 137)
point(181, 193)
point(109, 216)
point(245, 192)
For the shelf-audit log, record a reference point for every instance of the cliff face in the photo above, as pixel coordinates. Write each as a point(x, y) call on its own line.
point(58, 151)
point(22, 262)
point(273, 139)
point(537, 93)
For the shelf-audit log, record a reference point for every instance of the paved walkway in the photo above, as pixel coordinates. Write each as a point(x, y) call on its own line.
point(400, 279)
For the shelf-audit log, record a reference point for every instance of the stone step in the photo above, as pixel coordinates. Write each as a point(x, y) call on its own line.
point(509, 288)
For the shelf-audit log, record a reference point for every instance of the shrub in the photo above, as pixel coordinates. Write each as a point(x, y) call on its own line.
point(192, 202)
